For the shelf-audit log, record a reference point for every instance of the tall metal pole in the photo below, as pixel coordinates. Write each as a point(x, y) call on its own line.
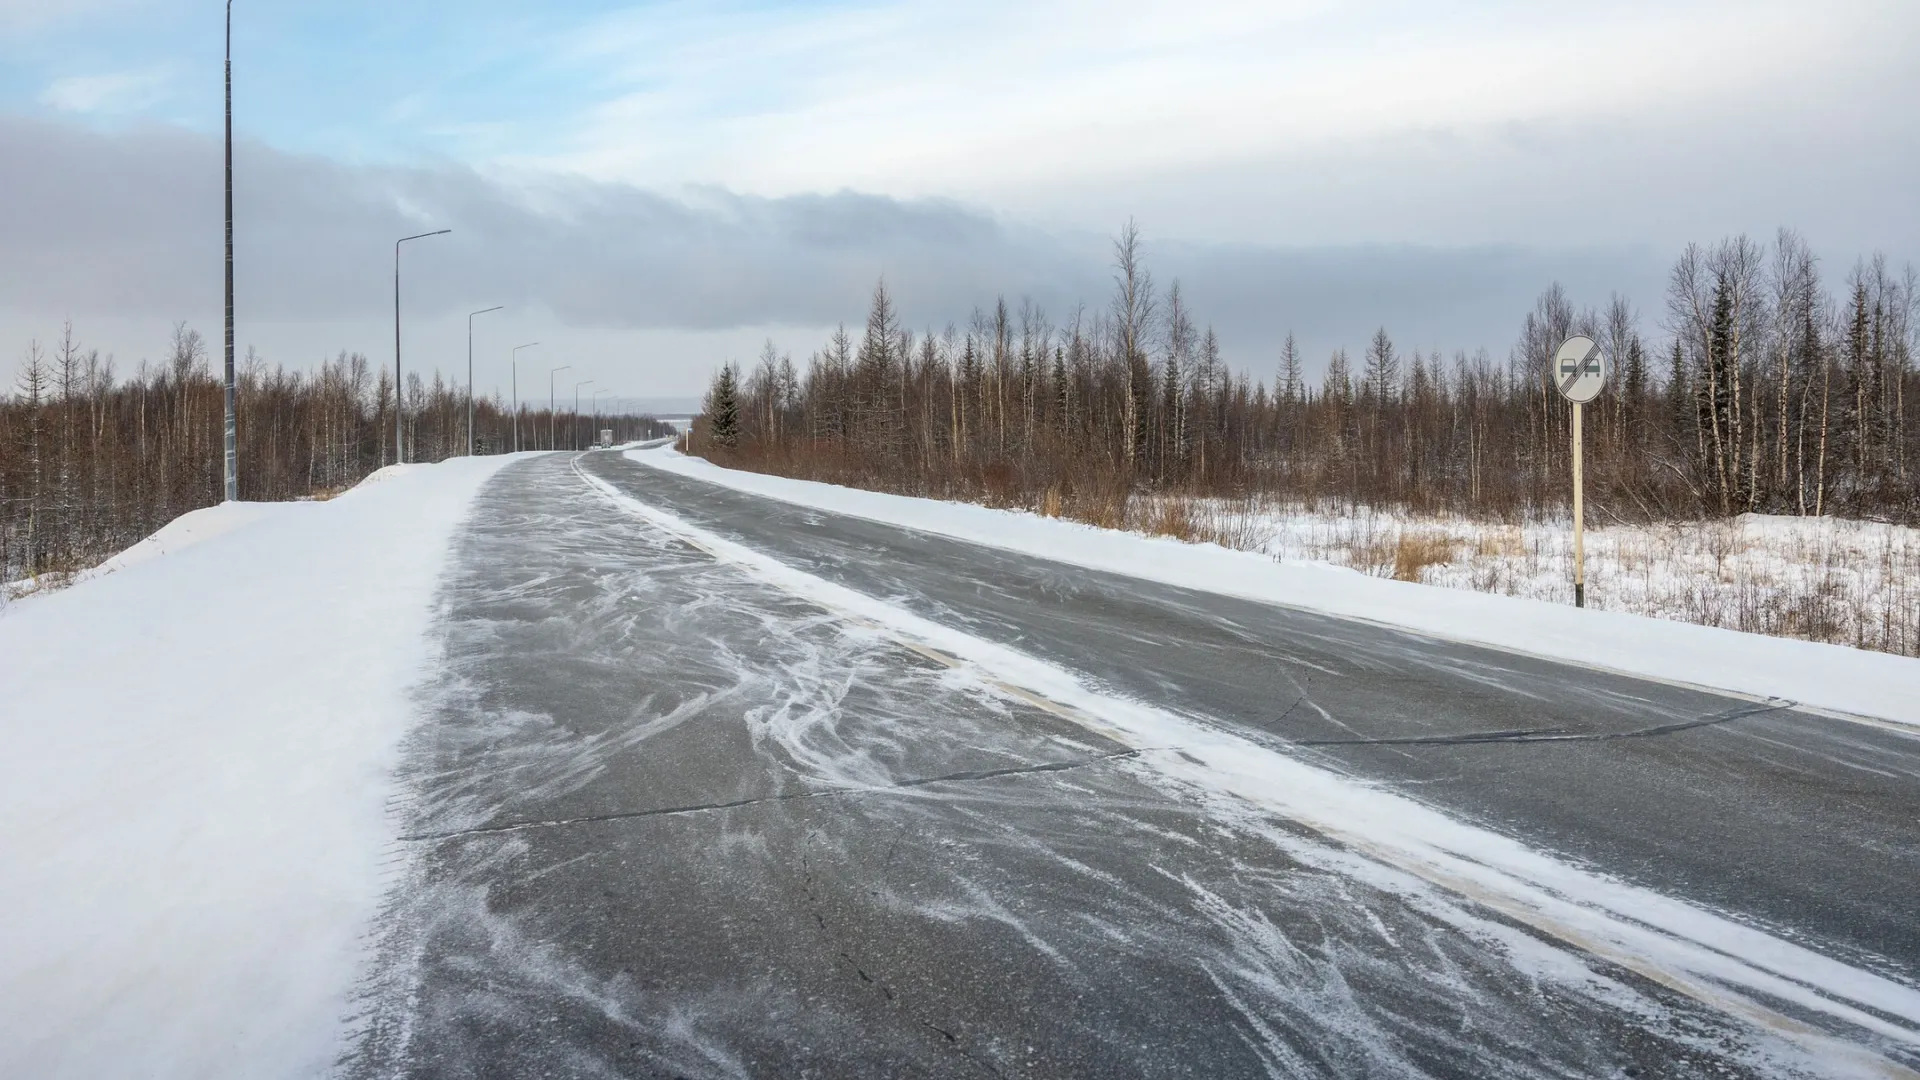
point(233, 464)
point(516, 392)
point(553, 442)
point(399, 396)
point(573, 427)
point(1579, 519)
point(594, 431)
point(483, 311)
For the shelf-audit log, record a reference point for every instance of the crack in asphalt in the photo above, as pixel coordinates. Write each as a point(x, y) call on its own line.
point(838, 792)
point(846, 948)
point(1531, 735)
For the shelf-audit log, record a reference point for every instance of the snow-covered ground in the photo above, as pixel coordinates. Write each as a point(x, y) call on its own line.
point(1823, 579)
point(196, 749)
point(1820, 676)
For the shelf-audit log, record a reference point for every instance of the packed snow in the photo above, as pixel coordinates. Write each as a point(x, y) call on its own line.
point(196, 751)
point(1818, 676)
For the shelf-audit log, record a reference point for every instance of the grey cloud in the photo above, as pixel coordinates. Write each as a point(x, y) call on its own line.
point(130, 222)
point(127, 223)
point(1427, 298)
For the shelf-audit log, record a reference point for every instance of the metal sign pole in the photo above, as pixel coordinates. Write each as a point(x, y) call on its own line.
point(1579, 521)
point(1579, 372)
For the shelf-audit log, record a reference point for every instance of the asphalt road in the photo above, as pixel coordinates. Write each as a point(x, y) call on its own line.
point(667, 820)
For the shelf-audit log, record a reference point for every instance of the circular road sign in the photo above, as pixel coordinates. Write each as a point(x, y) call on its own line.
point(1579, 369)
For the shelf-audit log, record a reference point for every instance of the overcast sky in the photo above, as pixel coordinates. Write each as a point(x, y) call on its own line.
point(654, 188)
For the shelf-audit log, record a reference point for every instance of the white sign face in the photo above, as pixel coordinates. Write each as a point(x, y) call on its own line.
point(1579, 370)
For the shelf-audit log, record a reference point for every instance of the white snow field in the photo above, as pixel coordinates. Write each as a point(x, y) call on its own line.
point(1823, 677)
point(197, 745)
point(1815, 578)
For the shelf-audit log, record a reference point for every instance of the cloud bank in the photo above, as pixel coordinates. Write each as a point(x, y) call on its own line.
point(126, 225)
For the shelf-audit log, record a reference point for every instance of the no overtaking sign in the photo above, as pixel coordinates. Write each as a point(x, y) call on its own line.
point(1579, 370)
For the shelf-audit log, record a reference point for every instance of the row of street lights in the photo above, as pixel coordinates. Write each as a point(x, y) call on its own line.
point(232, 472)
point(399, 449)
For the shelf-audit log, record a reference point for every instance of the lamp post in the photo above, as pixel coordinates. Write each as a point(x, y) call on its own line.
point(399, 394)
point(595, 432)
point(516, 392)
point(553, 442)
point(573, 435)
point(232, 463)
point(470, 316)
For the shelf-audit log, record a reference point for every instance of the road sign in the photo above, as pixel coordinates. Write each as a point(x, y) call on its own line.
point(1579, 370)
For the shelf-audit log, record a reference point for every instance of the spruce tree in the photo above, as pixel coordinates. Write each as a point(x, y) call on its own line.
point(723, 408)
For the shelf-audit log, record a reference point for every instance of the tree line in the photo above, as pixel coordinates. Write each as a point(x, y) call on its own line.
point(91, 462)
point(1756, 391)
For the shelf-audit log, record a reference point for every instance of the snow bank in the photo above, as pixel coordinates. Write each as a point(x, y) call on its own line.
point(1821, 676)
point(190, 528)
point(195, 755)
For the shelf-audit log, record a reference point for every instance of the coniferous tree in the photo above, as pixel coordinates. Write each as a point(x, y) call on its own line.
point(723, 409)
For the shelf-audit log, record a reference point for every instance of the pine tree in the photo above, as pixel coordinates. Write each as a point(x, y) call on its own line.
point(1678, 396)
point(1716, 401)
point(1634, 388)
point(723, 408)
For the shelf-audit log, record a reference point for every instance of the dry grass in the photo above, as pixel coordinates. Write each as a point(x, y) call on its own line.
point(1414, 551)
point(1240, 524)
point(1171, 516)
point(1499, 542)
point(1106, 509)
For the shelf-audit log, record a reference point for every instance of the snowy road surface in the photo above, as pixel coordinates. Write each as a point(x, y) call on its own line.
point(712, 785)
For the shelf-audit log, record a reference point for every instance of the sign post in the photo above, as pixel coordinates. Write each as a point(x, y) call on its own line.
point(1579, 371)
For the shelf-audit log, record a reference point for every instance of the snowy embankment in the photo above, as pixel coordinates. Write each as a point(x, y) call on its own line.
point(196, 751)
point(1819, 676)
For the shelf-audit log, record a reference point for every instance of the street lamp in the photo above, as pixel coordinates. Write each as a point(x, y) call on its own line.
point(482, 311)
point(399, 397)
point(553, 442)
point(573, 434)
point(233, 463)
point(596, 414)
point(516, 392)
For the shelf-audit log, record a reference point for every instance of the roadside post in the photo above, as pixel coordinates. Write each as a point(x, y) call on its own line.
point(1579, 371)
